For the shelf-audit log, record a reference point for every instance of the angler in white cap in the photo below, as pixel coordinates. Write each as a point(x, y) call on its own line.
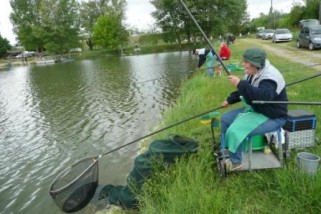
point(205, 55)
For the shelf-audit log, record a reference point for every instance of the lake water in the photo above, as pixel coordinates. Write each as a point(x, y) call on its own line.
point(54, 115)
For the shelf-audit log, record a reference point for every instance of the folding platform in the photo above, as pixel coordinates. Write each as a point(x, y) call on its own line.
point(259, 160)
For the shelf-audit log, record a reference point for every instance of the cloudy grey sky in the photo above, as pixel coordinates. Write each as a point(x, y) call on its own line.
point(138, 13)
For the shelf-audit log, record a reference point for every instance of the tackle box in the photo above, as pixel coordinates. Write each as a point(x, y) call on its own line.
point(300, 120)
point(300, 129)
point(300, 139)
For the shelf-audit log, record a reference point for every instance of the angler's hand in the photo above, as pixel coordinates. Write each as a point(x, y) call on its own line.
point(225, 104)
point(234, 80)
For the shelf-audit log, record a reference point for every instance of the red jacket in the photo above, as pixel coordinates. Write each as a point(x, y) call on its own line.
point(225, 53)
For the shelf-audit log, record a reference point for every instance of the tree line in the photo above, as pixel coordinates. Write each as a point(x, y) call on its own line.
point(275, 19)
point(60, 25)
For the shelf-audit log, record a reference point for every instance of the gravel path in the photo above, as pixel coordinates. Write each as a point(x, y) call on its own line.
point(303, 56)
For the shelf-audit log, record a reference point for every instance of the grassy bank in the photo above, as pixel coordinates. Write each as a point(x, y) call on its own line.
point(193, 184)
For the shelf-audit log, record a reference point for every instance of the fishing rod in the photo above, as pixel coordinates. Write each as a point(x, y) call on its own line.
point(285, 102)
point(304, 79)
point(205, 37)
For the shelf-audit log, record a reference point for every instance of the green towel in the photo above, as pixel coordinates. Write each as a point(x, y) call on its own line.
point(242, 126)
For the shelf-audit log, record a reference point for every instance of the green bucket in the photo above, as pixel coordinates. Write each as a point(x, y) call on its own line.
point(231, 67)
point(257, 143)
point(235, 67)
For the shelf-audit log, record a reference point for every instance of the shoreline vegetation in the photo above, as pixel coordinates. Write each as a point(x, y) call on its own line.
point(87, 54)
point(131, 50)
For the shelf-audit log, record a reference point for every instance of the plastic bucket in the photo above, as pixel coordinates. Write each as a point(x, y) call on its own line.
point(308, 162)
point(257, 143)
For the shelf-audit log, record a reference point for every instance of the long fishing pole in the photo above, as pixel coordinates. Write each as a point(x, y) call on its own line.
point(205, 37)
point(285, 102)
point(160, 130)
point(307, 78)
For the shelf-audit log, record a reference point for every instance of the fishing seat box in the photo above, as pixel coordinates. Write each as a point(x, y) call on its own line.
point(300, 129)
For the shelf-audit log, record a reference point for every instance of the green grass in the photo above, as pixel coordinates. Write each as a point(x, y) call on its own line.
point(193, 185)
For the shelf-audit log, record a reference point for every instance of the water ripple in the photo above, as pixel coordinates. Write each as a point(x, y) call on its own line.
point(52, 116)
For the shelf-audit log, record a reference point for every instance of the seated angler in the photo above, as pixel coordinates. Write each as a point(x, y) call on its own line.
point(262, 81)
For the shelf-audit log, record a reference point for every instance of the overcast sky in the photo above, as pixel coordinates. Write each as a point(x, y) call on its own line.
point(138, 13)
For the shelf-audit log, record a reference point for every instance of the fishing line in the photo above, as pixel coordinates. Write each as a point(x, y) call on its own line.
point(173, 75)
point(103, 68)
point(177, 74)
point(205, 37)
point(170, 63)
point(137, 70)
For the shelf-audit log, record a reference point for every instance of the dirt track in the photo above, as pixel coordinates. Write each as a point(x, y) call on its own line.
point(302, 55)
